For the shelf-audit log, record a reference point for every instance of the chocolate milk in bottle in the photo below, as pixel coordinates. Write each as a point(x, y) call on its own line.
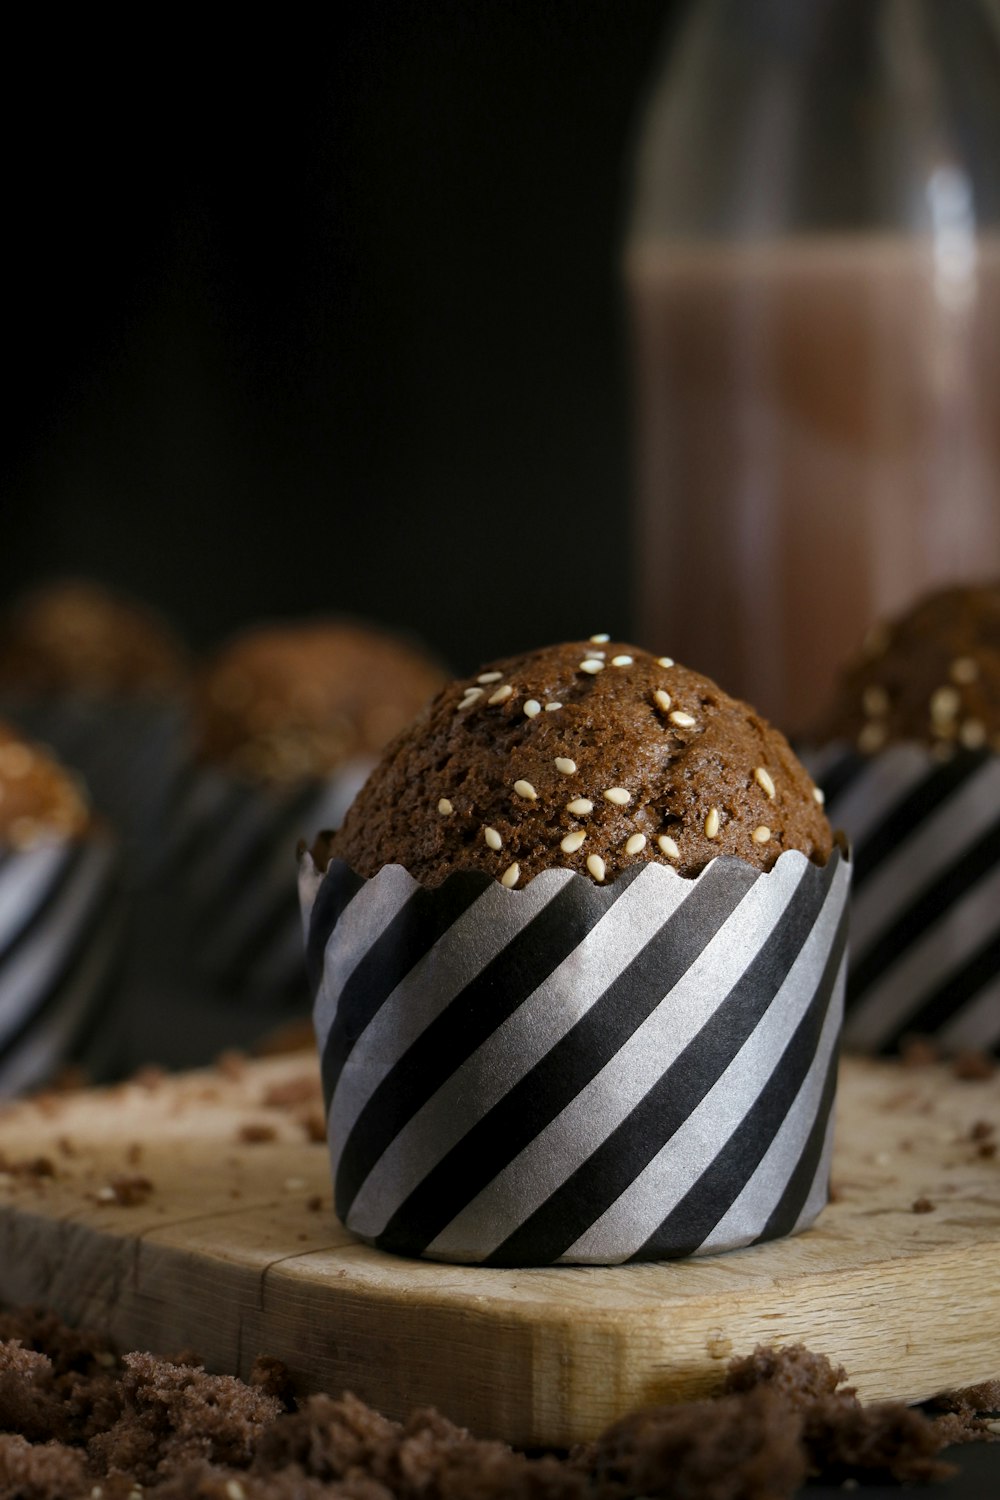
point(813, 274)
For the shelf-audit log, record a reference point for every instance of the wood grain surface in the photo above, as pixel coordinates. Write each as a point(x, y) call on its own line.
point(229, 1246)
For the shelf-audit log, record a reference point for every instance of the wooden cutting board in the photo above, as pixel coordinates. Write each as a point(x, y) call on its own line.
point(233, 1250)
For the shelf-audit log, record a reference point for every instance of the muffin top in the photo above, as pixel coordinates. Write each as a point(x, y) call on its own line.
point(39, 800)
point(74, 636)
point(931, 675)
point(591, 756)
point(287, 703)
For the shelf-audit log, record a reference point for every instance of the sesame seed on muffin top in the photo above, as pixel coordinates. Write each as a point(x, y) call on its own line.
point(40, 802)
point(593, 756)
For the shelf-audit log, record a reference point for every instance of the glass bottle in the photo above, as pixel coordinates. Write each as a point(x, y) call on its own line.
point(813, 269)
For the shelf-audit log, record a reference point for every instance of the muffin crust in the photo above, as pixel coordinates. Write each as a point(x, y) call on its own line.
point(592, 756)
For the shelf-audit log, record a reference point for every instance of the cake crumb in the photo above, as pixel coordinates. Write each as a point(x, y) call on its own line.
point(923, 1206)
point(255, 1133)
point(973, 1066)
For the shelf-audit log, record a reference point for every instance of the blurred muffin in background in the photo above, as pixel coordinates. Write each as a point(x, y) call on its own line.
point(288, 720)
point(288, 703)
point(908, 759)
point(74, 636)
point(61, 922)
point(103, 679)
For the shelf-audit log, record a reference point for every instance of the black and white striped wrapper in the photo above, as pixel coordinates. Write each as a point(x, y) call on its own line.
point(62, 917)
point(230, 866)
point(578, 1073)
point(129, 753)
point(925, 901)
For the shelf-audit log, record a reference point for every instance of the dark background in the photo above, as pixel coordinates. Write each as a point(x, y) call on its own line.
point(329, 319)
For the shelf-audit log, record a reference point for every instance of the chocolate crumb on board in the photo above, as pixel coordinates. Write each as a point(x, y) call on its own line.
point(125, 1191)
point(74, 1420)
point(973, 1067)
point(255, 1133)
point(923, 1206)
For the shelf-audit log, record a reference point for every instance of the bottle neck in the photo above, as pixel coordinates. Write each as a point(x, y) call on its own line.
point(777, 116)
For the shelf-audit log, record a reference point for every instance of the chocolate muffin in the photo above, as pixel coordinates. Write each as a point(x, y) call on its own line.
point(931, 676)
point(288, 721)
point(60, 922)
point(291, 703)
point(40, 802)
point(73, 636)
point(577, 959)
point(594, 755)
point(103, 680)
point(908, 759)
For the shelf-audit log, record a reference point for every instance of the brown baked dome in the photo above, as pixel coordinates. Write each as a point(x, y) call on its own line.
point(39, 800)
point(284, 703)
point(72, 635)
point(931, 675)
point(590, 756)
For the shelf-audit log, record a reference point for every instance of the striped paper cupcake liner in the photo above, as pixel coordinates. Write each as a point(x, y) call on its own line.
point(62, 919)
point(925, 902)
point(130, 755)
point(230, 866)
point(578, 1073)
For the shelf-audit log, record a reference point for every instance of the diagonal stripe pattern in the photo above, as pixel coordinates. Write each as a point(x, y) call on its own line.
point(232, 854)
point(61, 942)
point(579, 1073)
point(925, 905)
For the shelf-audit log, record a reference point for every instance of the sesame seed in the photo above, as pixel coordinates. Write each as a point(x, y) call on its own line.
point(872, 737)
point(972, 734)
point(712, 823)
point(295, 1184)
point(763, 779)
point(571, 843)
point(580, 807)
point(526, 790)
point(532, 707)
point(945, 703)
point(664, 661)
point(105, 1195)
point(761, 834)
point(471, 694)
point(492, 838)
point(511, 875)
point(681, 719)
point(489, 677)
point(599, 640)
point(502, 694)
point(668, 846)
point(597, 654)
point(875, 701)
point(550, 708)
point(595, 866)
point(819, 795)
point(234, 1490)
point(635, 843)
point(618, 795)
point(565, 765)
point(445, 807)
point(964, 669)
point(592, 665)
point(621, 661)
point(662, 698)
